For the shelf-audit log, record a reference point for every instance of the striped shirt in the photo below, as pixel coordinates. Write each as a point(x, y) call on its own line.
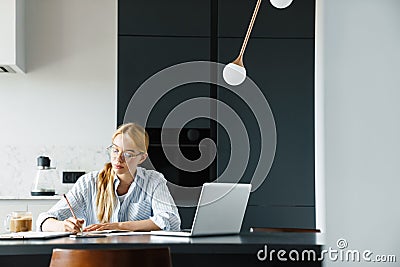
point(148, 197)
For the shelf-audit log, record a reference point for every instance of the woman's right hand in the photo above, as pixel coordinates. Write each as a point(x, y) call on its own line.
point(72, 225)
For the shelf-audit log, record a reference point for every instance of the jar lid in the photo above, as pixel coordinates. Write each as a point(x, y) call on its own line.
point(43, 161)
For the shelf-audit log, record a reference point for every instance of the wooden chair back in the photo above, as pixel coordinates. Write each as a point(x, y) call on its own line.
point(143, 257)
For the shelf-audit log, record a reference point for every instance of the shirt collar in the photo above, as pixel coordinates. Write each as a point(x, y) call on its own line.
point(139, 175)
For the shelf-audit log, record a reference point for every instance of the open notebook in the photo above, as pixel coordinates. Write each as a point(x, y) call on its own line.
point(105, 233)
point(33, 235)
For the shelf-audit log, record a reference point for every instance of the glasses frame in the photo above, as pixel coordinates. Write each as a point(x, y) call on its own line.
point(124, 155)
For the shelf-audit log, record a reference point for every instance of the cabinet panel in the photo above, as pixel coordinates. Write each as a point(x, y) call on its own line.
point(274, 63)
point(141, 57)
point(165, 18)
point(278, 217)
point(296, 21)
point(283, 70)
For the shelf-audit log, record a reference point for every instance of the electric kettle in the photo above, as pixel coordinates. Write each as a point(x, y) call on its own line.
point(44, 184)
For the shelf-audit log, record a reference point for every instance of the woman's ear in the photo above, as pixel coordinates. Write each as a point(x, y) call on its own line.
point(143, 158)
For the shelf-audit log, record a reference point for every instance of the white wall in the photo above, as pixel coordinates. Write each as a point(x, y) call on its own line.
point(64, 106)
point(362, 125)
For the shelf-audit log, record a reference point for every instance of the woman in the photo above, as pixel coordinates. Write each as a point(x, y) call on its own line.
point(121, 196)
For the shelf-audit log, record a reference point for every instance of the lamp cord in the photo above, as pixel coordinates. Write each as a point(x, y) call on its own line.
point(253, 18)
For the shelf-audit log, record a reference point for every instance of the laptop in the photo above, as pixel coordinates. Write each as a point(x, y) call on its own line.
point(220, 211)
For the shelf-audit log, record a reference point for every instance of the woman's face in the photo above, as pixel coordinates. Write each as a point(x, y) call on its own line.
point(125, 155)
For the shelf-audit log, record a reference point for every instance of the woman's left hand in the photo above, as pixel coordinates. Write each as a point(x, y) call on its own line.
point(103, 226)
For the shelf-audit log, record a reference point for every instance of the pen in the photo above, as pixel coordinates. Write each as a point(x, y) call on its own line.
point(70, 208)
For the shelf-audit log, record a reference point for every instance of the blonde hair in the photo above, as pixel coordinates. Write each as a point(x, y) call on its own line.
point(105, 199)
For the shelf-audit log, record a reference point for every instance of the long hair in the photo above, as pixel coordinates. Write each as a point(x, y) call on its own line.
point(105, 198)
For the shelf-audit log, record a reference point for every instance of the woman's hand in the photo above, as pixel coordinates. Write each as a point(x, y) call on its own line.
point(72, 225)
point(69, 225)
point(103, 226)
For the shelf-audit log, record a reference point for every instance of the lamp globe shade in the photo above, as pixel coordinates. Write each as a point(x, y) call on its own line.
point(234, 74)
point(281, 3)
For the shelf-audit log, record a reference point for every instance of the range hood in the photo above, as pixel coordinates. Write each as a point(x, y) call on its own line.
point(12, 41)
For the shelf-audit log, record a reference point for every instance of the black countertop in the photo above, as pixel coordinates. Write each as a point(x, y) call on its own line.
point(244, 243)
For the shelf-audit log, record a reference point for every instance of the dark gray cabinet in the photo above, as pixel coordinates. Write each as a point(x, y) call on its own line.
point(284, 72)
point(279, 58)
point(140, 57)
point(297, 21)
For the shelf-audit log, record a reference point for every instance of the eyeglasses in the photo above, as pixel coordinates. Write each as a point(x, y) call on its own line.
point(114, 152)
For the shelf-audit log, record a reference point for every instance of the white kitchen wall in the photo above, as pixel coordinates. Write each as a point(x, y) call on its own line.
point(64, 106)
point(362, 127)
